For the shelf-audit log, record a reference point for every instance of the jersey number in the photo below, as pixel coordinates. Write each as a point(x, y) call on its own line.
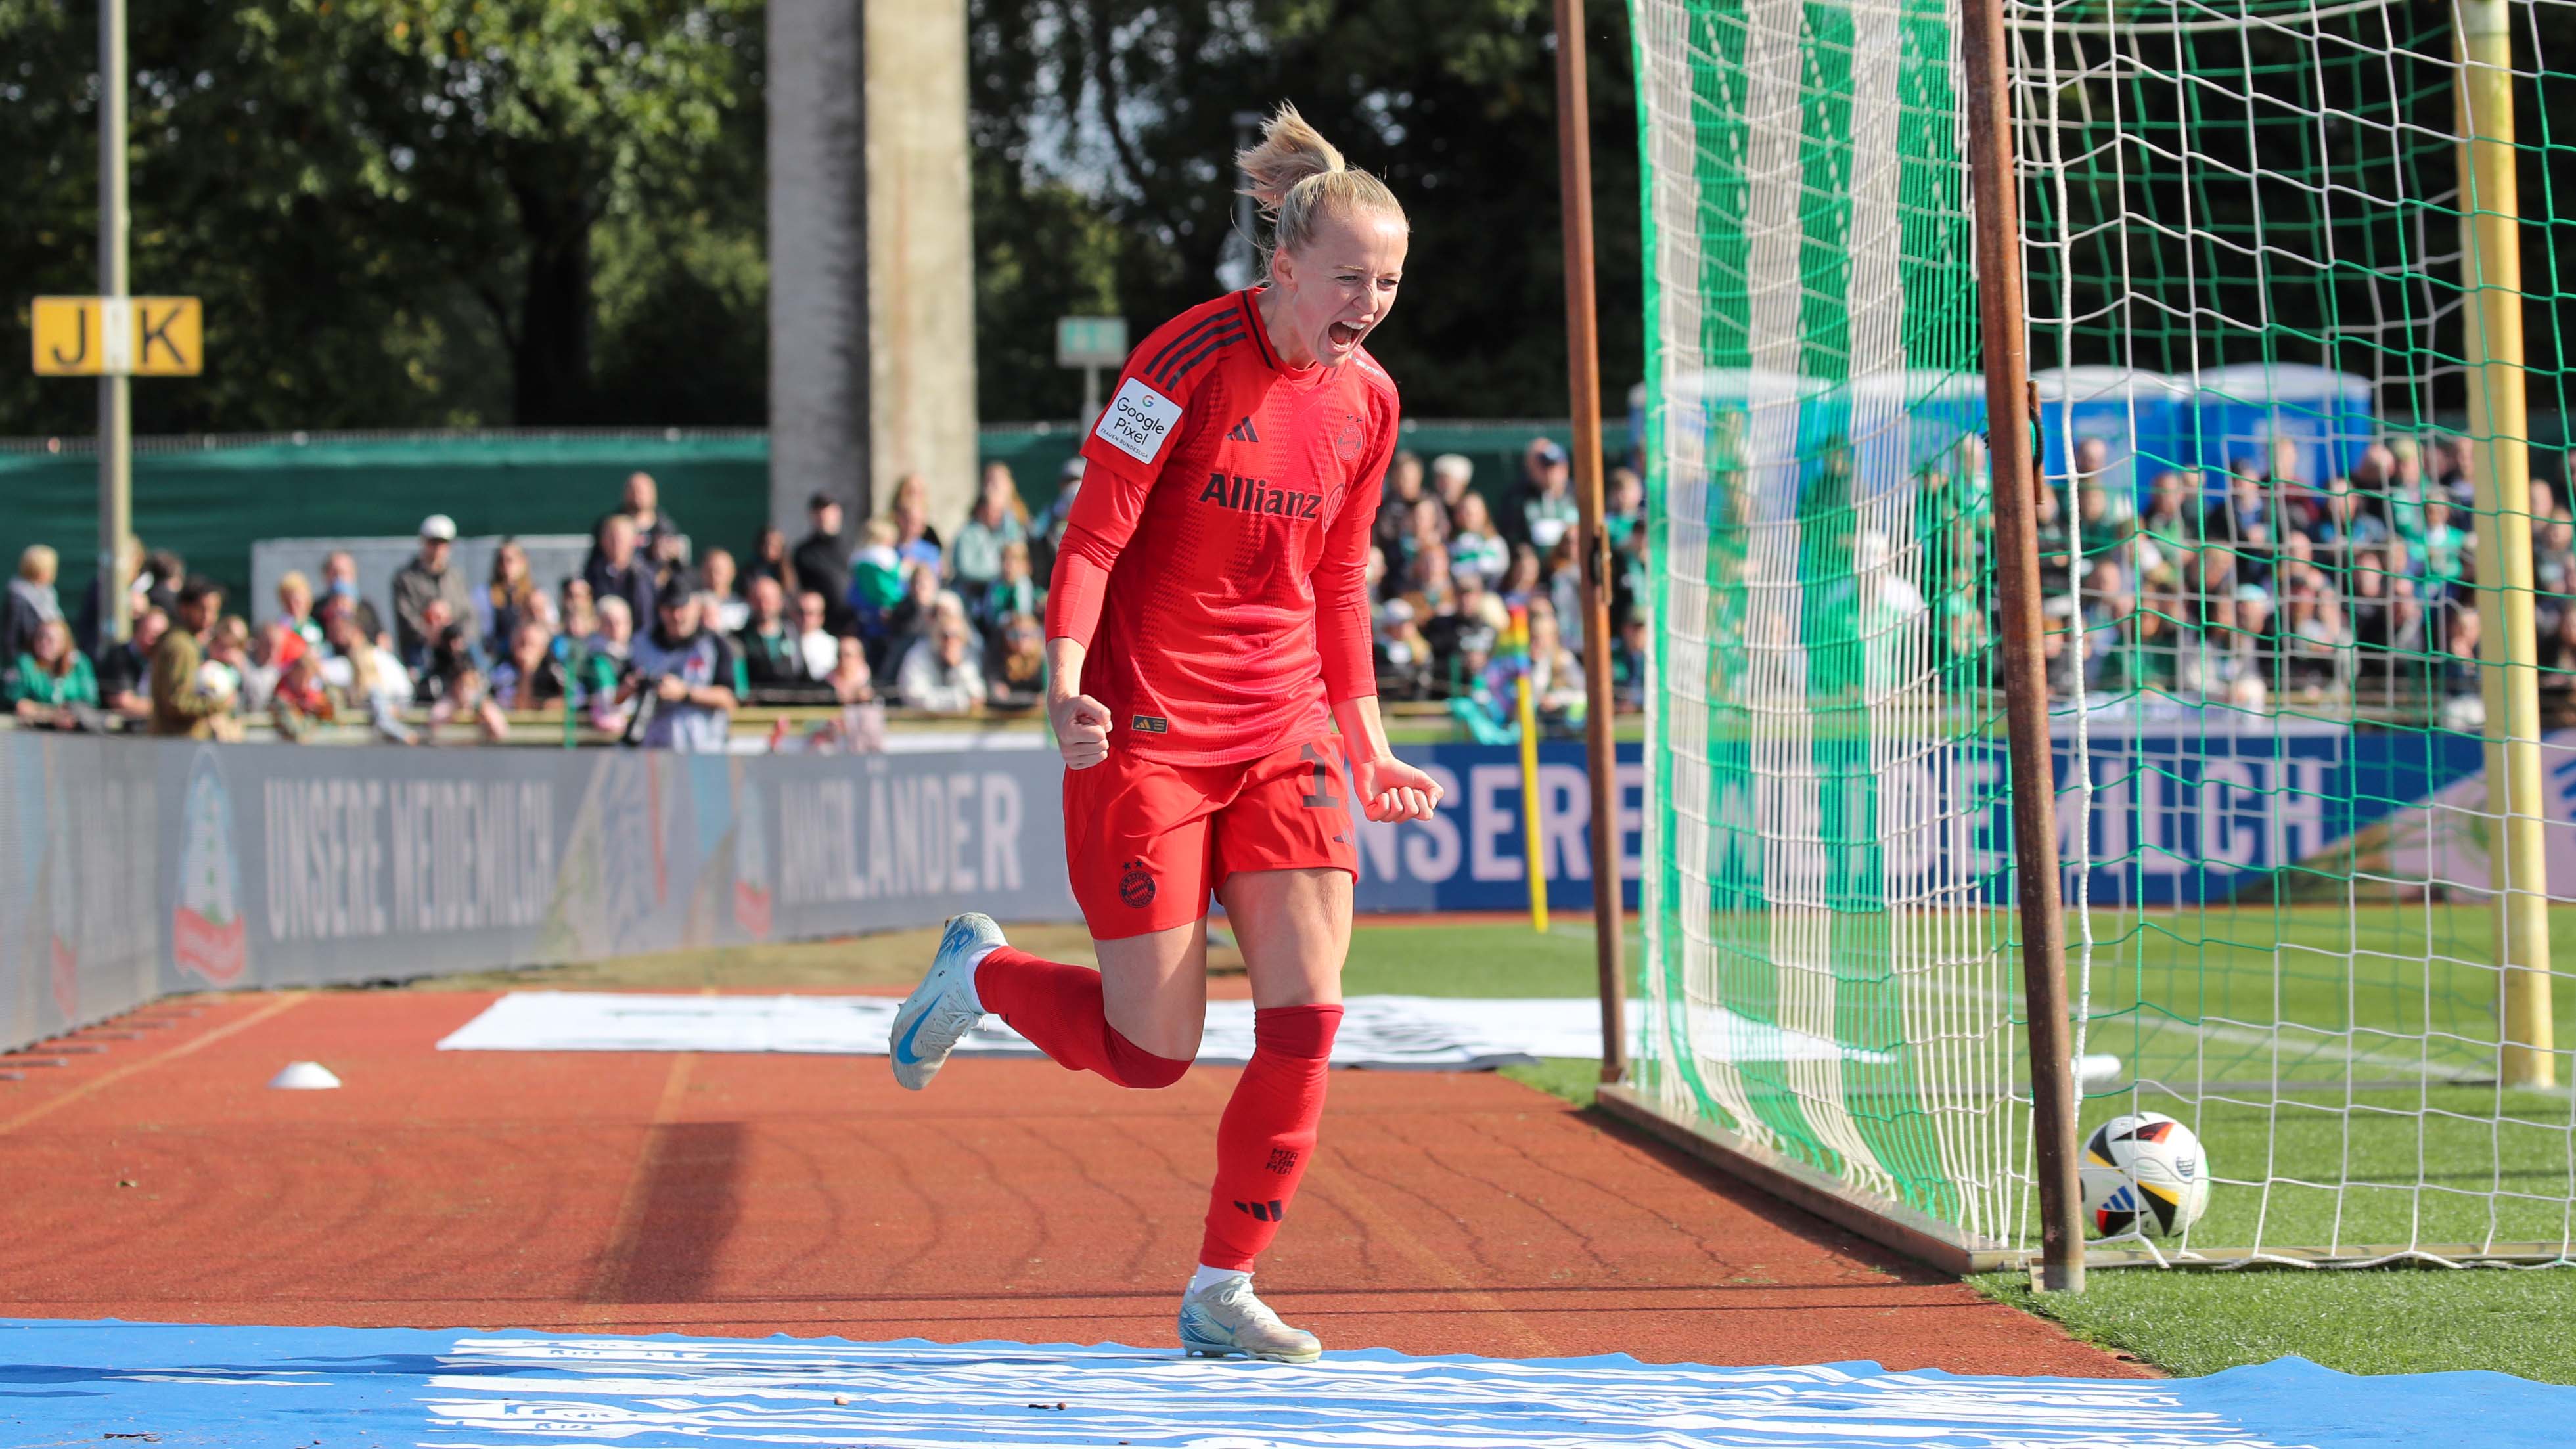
point(1322, 796)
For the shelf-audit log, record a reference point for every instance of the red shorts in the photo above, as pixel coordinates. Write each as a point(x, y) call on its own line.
point(1146, 843)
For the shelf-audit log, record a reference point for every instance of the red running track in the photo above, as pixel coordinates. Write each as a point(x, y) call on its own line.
point(714, 1194)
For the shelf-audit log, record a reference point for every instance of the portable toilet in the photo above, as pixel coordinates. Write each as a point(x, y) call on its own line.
point(2239, 412)
point(2136, 413)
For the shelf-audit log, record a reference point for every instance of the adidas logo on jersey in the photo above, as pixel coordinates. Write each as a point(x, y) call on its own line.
point(1243, 432)
point(1255, 495)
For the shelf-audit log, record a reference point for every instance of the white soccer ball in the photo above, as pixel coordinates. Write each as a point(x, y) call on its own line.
point(2144, 1172)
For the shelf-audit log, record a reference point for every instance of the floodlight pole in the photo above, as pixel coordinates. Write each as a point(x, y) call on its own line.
point(2499, 424)
point(1583, 379)
point(2016, 479)
point(115, 389)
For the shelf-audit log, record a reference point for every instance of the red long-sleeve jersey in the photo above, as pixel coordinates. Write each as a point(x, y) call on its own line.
point(1215, 562)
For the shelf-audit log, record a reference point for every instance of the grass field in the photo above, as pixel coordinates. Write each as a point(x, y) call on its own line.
point(2191, 1322)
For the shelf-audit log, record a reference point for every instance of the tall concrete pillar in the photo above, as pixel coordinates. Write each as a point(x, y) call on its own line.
point(871, 257)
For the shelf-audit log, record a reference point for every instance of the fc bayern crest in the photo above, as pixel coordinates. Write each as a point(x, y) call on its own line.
point(208, 936)
point(1350, 437)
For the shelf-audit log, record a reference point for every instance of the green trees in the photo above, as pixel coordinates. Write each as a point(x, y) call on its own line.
point(426, 213)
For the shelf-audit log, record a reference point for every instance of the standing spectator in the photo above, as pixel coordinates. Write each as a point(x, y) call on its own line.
point(1452, 474)
point(1474, 546)
point(915, 541)
point(295, 607)
point(695, 680)
point(1014, 591)
point(180, 707)
point(771, 661)
point(1404, 487)
point(125, 670)
point(1548, 509)
point(606, 664)
point(1019, 676)
point(878, 579)
point(31, 601)
point(995, 525)
point(51, 681)
point(940, 673)
point(716, 579)
point(822, 561)
point(510, 597)
point(909, 622)
point(641, 504)
point(814, 639)
point(912, 495)
point(617, 571)
point(429, 577)
point(88, 628)
point(340, 581)
point(769, 561)
point(667, 557)
point(157, 587)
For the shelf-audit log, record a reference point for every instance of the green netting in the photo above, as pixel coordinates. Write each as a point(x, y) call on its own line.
point(2305, 569)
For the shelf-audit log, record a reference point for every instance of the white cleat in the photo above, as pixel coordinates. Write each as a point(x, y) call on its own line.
point(943, 1008)
point(1224, 1318)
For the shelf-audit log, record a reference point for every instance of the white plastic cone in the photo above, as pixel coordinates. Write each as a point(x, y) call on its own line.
point(304, 1077)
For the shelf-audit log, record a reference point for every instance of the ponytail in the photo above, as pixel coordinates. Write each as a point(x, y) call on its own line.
point(1297, 178)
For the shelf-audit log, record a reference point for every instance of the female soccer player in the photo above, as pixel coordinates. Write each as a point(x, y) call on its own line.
point(1214, 698)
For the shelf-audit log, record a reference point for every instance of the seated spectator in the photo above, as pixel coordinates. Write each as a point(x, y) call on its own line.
point(693, 678)
point(183, 703)
point(431, 575)
point(772, 662)
point(817, 643)
point(1452, 475)
point(367, 678)
point(822, 561)
point(509, 596)
point(999, 521)
point(295, 607)
point(1404, 488)
point(30, 602)
point(340, 581)
point(51, 683)
point(530, 679)
point(1524, 581)
point(915, 541)
point(641, 504)
point(939, 672)
point(2553, 582)
point(301, 700)
point(769, 561)
point(600, 676)
point(1624, 510)
point(1474, 546)
point(1014, 591)
point(617, 571)
point(1556, 681)
point(1548, 510)
point(907, 623)
point(1427, 528)
point(1019, 669)
point(444, 649)
point(2243, 525)
point(125, 670)
point(230, 645)
point(2173, 514)
point(716, 581)
point(1628, 664)
point(2444, 549)
point(1561, 584)
point(1404, 656)
point(1059, 517)
point(1426, 584)
point(849, 678)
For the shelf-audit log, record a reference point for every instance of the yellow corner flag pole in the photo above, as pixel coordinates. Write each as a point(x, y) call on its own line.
point(2491, 263)
point(1529, 808)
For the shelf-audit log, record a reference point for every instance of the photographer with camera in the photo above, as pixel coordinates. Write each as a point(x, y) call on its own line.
point(687, 678)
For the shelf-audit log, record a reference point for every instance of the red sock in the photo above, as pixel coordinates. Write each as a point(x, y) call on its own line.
point(1058, 1007)
point(1268, 1132)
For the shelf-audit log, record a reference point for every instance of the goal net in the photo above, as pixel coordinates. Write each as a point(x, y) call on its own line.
point(2304, 567)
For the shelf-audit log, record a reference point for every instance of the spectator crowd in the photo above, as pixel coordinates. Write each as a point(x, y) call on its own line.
point(659, 642)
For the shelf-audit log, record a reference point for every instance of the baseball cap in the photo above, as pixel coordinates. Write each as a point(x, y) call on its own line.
point(439, 526)
point(1549, 452)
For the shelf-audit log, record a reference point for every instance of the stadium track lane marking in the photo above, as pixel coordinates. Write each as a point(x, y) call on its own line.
point(608, 1286)
point(284, 1001)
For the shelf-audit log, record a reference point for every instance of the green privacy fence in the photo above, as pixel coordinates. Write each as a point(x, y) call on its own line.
point(210, 499)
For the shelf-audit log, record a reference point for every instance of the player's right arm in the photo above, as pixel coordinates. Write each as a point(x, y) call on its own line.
point(1122, 458)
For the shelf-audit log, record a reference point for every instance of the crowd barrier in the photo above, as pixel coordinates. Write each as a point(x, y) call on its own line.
point(132, 869)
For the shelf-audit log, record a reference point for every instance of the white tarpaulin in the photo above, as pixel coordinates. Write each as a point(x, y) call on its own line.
point(1430, 1032)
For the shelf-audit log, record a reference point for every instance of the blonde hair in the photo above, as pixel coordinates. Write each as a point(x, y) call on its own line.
point(1297, 178)
point(38, 564)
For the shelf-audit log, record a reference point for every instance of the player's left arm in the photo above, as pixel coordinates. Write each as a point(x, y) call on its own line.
point(1389, 788)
